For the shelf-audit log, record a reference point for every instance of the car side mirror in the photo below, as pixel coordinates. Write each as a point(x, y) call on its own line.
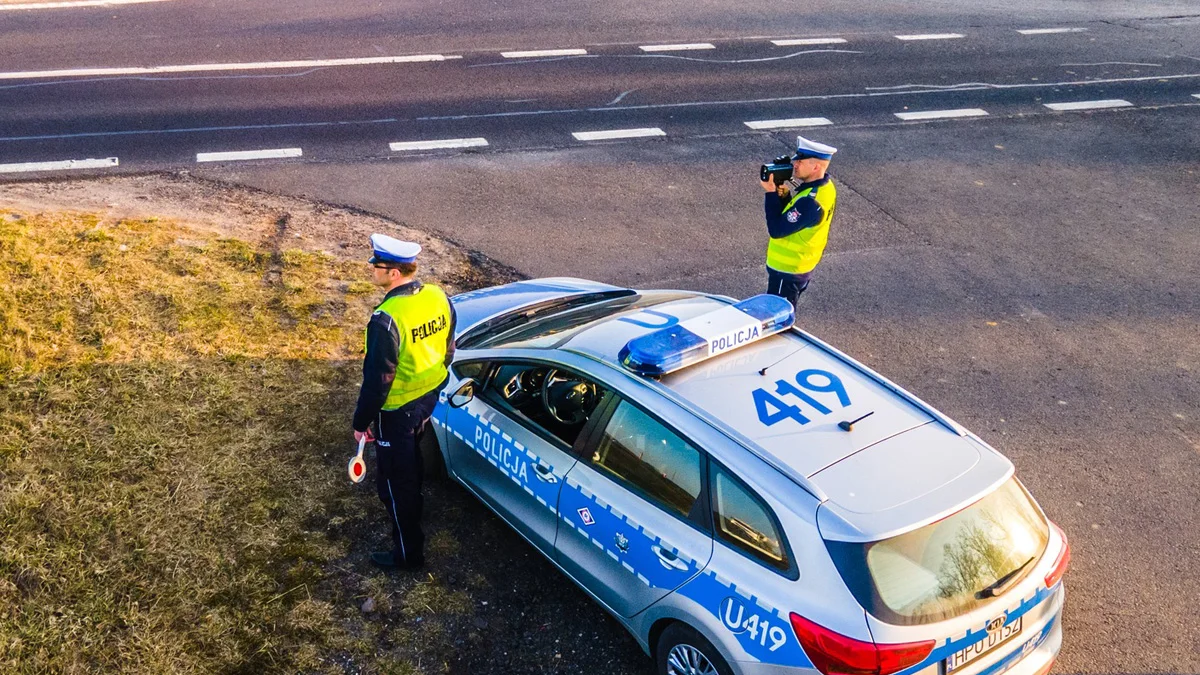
point(464, 394)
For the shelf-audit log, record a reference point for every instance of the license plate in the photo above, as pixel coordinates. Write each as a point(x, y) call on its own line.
point(994, 639)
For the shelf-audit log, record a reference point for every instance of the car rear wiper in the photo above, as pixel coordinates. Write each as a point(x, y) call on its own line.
point(1002, 584)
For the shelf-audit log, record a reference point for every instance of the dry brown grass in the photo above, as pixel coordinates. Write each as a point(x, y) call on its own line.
point(173, 427)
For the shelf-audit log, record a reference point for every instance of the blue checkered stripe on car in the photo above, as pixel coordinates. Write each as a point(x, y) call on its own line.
point(769, 638)
point(971, 636)
point(708, 588)
point(496, 447)
point(638, 559)
point(508, 455)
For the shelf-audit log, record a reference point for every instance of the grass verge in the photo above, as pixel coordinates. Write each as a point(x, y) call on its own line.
point(173, 432)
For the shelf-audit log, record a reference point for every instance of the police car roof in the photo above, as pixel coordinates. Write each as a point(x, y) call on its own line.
point(903, 465)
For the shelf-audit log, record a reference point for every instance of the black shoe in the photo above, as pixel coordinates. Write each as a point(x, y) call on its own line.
point(384, 559)
point(388, 560)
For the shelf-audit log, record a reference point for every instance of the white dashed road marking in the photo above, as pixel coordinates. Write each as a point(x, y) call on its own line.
point(1195, 95)
point(216, 67)
point(59, 166)
point(240, 155)
point(76, 3)
point(544, 52)
point(793, 123)
point(617, 133)
point(1090, 105)
point(439, 144)
point(942, 114)
point(932, 36)
point(809, 41)
point(677, 48)
point(1048, 31)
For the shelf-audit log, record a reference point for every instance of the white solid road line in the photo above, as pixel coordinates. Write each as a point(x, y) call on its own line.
point(439, 144)
point(239, 155)
point(1048, 31)
point(212, 67)
point(677, 48)
point(1090, 105)
point(617, 133)
point(59, 166)
point(544, 52)
point(809, 41)
point(942, 114)
point(793, 123)
point(75, 3)
point(931, 36)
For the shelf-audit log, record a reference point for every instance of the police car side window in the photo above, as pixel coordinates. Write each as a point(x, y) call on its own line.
point(553, 402)
point(646, 456)
point(744, 522)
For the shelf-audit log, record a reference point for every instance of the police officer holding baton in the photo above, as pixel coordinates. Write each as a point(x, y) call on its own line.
point(798, 215)
point(409, 345)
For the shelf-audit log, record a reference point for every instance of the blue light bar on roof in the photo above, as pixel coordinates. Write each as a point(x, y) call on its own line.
point(669, 349)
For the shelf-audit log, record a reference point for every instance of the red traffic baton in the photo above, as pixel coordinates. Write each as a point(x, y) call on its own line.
point(357, 468)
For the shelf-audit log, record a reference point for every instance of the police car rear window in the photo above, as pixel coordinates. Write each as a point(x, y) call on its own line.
point(937, 572)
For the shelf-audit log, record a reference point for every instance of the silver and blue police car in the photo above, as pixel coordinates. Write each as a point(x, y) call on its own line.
point(741, 496)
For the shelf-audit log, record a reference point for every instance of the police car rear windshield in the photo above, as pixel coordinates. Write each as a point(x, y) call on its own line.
point(553, 325)
point(942, 570)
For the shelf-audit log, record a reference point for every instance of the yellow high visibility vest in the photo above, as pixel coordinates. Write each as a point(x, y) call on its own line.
point(423, 323)
point(799, 252)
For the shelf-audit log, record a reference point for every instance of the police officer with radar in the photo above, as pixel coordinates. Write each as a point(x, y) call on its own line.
point(409, 344)
point(798, 214)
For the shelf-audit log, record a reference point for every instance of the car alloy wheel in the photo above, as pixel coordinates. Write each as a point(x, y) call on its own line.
point(687, 660)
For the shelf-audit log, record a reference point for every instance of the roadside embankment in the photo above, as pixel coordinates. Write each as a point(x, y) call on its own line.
point(174, 400)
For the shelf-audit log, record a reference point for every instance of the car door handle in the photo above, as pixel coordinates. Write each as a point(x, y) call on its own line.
point(544, 473)
point(668, 559)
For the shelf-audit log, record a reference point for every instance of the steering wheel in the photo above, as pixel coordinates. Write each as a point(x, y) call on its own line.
point(515, 391)
point(568, 399)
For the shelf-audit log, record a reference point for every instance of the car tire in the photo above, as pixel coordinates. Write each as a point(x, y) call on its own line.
point(681, 650)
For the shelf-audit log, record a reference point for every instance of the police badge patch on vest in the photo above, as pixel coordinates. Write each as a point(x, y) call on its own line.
point(429, 328)
point(793, 216)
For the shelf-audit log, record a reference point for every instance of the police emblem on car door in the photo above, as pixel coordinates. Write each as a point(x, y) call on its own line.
point(641, 484)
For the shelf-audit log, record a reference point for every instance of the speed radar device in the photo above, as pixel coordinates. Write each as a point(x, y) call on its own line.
point(781, 169)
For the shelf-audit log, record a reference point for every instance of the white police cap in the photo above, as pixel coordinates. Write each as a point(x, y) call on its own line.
point(807, 148)
point(391, 250)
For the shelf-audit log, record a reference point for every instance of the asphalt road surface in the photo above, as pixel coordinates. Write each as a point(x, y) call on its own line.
point(1034, 272)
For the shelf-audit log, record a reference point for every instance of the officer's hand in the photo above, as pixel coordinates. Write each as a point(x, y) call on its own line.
point(359, 435)
point(769, 183)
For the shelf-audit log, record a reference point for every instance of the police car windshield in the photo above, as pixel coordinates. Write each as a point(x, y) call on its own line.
point(487, 331)
point(940, 571)
point(552, 327)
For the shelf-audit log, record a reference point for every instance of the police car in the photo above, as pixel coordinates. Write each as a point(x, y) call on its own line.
point(741, 496)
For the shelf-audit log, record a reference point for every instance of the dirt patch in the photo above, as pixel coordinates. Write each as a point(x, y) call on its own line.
point(259, 218)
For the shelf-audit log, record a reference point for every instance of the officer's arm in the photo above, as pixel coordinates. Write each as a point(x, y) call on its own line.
point(806, 209)
point(379, 369)
point(450, 337)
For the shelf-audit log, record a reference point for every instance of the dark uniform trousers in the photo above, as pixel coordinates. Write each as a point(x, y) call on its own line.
point(788, 286)
point(398, 434)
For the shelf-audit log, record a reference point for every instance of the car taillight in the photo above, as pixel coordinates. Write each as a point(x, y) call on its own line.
point(1061, 562)
point(835, 654)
